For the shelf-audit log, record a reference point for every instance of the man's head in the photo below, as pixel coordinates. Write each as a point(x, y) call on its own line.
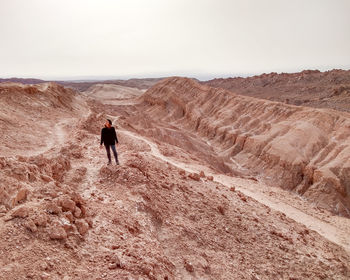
point(108, 123)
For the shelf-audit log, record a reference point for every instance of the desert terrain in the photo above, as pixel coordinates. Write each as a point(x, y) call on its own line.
point(330, 89)
point(212, 184)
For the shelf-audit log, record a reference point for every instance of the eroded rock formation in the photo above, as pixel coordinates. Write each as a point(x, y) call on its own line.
point(297, 148)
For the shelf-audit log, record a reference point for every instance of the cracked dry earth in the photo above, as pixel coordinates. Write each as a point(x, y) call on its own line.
point(164, 213)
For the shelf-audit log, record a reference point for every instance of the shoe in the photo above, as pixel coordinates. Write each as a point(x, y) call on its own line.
point(109, 163)
point(117, 163)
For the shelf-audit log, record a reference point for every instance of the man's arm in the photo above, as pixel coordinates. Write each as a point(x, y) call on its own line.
point(116, 138)
point(101, 142)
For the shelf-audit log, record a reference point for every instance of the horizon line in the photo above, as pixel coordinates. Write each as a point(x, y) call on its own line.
point(201, 76)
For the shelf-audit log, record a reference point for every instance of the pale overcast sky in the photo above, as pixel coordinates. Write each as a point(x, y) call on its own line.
point(145, 38)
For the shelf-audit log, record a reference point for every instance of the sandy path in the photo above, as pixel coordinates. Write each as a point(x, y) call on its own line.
point(327, 230)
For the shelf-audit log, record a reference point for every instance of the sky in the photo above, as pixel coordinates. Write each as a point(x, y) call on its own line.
point(67, 39)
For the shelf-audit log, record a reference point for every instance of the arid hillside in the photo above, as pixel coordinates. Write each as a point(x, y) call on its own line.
point(296, 148)
point(31, 114)
point(188, 200)
point(311, 88)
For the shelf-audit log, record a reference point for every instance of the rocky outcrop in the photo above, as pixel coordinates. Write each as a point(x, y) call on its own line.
point(297, 148)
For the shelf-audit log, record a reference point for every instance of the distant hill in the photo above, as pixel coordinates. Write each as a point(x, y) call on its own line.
point(145, 83)
point(133, 83)
point(312, 88)
point(22, 80)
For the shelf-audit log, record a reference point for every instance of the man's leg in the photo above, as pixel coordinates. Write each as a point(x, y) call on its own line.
point(108, 153)
point(115, 154)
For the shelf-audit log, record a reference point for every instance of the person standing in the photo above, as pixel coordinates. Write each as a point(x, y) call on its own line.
point(109, 139)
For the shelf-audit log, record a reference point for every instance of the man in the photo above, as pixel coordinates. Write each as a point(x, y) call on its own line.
point(109, 138)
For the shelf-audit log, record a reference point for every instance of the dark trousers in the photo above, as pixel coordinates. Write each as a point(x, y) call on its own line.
point(114, 153)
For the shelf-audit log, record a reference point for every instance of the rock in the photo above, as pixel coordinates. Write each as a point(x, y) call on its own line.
point(20, 196)
point(21, 212)
point(112, 266)
point(341, 210)
point(44, 276)
point(19, 172)
point(67, 226)
point(46, 178)
point(4, 196)
point(210, 178)
point(221, 210)
point(82, 226)
point(242, 197)
point(116, 263)
point(53, 208)
point(182, 172)
point(189, 267)
point(30, 225)
point(194, 176)
point(69, 216)
point(201, 174)
point(40, 219)
point(233, 189)
point(31, 177)
point(207, 269)
point(57, 232)
point(67, 204)
point(89, 221)
point(3, 209)
point(77, 212)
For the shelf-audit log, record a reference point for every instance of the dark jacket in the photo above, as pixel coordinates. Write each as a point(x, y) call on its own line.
point(108, 136)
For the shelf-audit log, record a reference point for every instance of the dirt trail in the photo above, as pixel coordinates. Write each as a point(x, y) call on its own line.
point(327, 230)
